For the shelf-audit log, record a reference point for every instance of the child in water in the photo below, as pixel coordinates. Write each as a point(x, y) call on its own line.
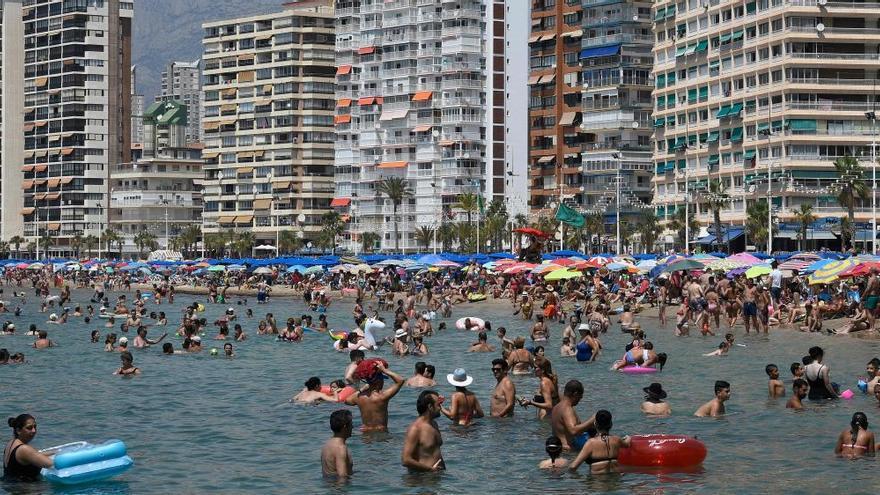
point(775, 386)
point(681, 323)
point(553, 446)
point(797, 371)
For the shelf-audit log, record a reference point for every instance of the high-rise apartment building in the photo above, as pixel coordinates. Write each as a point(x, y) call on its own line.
point(77, 62)
point(181, 81)
point(432, 92)
point(590, 106)
point(268, 125)
point(11, 119)
point(753, 91)
point(137, 112)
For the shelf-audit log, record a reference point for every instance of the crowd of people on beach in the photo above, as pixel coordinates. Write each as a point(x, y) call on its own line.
point(585, 307)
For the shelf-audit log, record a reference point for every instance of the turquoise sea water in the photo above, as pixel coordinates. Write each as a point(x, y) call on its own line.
point(197, 424)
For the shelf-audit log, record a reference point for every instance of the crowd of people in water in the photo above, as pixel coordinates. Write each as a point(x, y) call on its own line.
point(586, 308)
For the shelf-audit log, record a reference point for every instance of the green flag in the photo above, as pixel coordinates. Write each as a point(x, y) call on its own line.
point(568, 215)
point(481, 204)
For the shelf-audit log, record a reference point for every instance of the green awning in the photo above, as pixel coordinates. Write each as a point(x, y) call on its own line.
point(661, 101)
point(670, 120)
point(692, 95)
point(751, 7)
point(722, 112)
point(661, 80)
point(714, 64)
point(670, 78)
point(736, 36)
point(815, 174)
point(805, 125)
point(681, 28)
point(692, 140)
point(660, 14)
point(680, 142)
point(704, 93)
point(670, 165)
point(704, 136)
point(659, 122)
point(682, 164)
point(670, 11)
point(691, 49)
point(736, 134)
point(725, 38)
point(680, 51)
point(713, 136)
point(762, 126)
point(749, 154)
point(702, 46)
point(714, 159)
point(735, 110)
point(776, 126)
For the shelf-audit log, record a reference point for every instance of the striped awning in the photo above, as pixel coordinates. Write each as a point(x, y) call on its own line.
point(262, 204)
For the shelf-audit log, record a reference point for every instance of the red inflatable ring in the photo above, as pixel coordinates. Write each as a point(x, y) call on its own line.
point(662, 451)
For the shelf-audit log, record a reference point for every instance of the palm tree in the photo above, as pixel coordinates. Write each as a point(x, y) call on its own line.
point(648, 230)
point(424, 236)
point(847, 232)
point(574, 238)
point(245, 242)
point(31, 248)
point(76, 244)
point(804, 216)
point(593, 226)
point(17, 241)
point(144, 239)
point(678, 225)
point(46, 242)
point(89, 243)
point(718, 199)
point(448, 234)
point(496, 222)
point(288, 242)
point(215, 243)
point(469, 203)
point(851, 185)
point(369, 240)
point(397, 189)
point(333, 227)
point(110, 236)
point(520, 220)
point(4, 249)
point(756, 222)
point(189, 238)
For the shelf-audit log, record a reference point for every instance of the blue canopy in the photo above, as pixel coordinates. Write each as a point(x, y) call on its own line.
point(567, 253)
point(725, 238)
point(600, 51)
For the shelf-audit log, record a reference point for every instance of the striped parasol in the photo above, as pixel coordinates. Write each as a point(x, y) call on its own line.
point(830, 272)
point(799, 261)
point(725, 265)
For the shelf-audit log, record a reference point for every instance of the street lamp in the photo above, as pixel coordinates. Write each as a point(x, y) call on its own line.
point(100, 229)
point(872, 116)
point(617, 157)
point(273, 209)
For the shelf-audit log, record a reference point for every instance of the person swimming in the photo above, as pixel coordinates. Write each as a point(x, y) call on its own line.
point(553, 447)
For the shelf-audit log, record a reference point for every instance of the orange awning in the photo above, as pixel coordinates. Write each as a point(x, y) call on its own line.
point(422, 128)
point(244, 219)
point(392, 165)
point(53, 226)
point(51, 196)
point(27, 184)
point(28, 127)
point(345, 218)
point(42, 81)
point(41, 124)
point(366, 50)
point(280, 185)
point(367, 100)
point(343, 70)
point(340, 202)
point(66, 180)
point(342, 119)
point(344, 102)
point(422, 96)
point(27, 211)
point(66, 151)
point(54, 182)
point(245, 170)
point(39, 196)
point(41, 167)
point(225, 219)
point(246, 76)
point(262, 204)
point(446, 142)
point(27, 168)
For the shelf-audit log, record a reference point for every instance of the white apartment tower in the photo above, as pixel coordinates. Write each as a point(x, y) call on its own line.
point(137, 111)
point(181, 81)
point(433, 92)
point(77, 115)
point(11, 119)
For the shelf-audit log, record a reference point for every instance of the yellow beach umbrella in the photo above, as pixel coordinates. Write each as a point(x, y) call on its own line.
point(830, 272)
point(563, 274)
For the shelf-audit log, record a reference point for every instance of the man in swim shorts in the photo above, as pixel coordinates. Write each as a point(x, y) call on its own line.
point(504, 395)
point(871, 297)
point(564, 419)
point(335, 456)
point(373, 402)
point(750, 307)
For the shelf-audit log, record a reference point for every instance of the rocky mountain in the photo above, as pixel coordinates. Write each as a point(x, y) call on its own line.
point(166, 30)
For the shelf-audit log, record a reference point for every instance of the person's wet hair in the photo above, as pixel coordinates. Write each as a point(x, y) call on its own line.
point(603, 420)
point(573, 387)
point(798, 383)
point(816, 352)
point(429, 371)
point(339, 419)
point(794, 367)
point(806, 360)
point(553, 446)
point(875, 362)
point(859, 419)
point(420, 367)
point(721, 385)
point(167, 348)
point(500, 362)
point(313, 383)
point(18, 422)
point(769, 368)
point(661, 359)
point(426, 399)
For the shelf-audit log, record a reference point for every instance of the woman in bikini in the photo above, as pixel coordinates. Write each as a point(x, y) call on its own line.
point(857, 441)
point(547, 395)
point(601, 451)
point(127, 367)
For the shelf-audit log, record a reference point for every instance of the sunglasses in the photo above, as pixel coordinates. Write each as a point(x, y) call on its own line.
point(497, 369)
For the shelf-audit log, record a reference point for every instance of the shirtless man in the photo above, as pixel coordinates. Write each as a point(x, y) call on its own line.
point(539, 331)
point(373, 402)
point(43, 341)
point(335, 456)
point(421, 446)
point(141, 341)
point(871, 297)
point(520, 360)
point(762, 299)
point(356, 356)
point(750, 307)
point(715, 407)
point(800, 388)
point(564, 419)
point(481, 345)
point(418, 379)
point(695, 297)
point(312, 394)
point(504, 395)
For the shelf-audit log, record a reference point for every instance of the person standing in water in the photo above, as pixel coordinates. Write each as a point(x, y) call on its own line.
point(421, 445)
point(373, 402)
point(553, 447)
point(464, 407)
point(564, 419)
point(654, 404)
point(818, 376)
point(21, 462)
point(601, 451)
point(856, 441)
point(715, 407)
point(335, 456)
point(504, 395)
point(799, 390)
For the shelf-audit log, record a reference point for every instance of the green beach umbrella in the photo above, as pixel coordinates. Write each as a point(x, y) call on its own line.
point(758, 271)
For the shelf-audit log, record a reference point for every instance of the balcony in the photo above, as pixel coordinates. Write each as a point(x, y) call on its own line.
point(617, 38)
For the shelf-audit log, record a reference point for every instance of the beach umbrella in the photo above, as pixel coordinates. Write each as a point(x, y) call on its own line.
point(446, 264)
point(360, 268)
point(518, 268)
point(144, 271)
point(416, 268)
point(817, 265)
point(351, 260)
point(599, 261)
point(745, 258)
point(831, 271)
point(862, 269)
point(532, 232)
point(339, 268)
point(296, 268)
point(562, 274)
point(234, 268)
point(108, 269)
point(646, 265)
point(724, 265)
point(797, 263)
point(263, 271)
point(313, 269)
point(684, 265)
point(758, 271)
point(618, 267)
point(217, 268)
point(36, 266)
point(546, 268)
point(430, 259)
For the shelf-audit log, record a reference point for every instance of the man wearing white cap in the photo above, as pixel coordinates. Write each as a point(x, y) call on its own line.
point(464, 407)
point(400, 347)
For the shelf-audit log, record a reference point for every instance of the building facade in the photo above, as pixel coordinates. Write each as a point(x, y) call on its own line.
point(268, 125)
point(11, 120)
point(763, 96)
point(77, 62)
point(431, 92)
point(181, 81)
point(137, 112)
